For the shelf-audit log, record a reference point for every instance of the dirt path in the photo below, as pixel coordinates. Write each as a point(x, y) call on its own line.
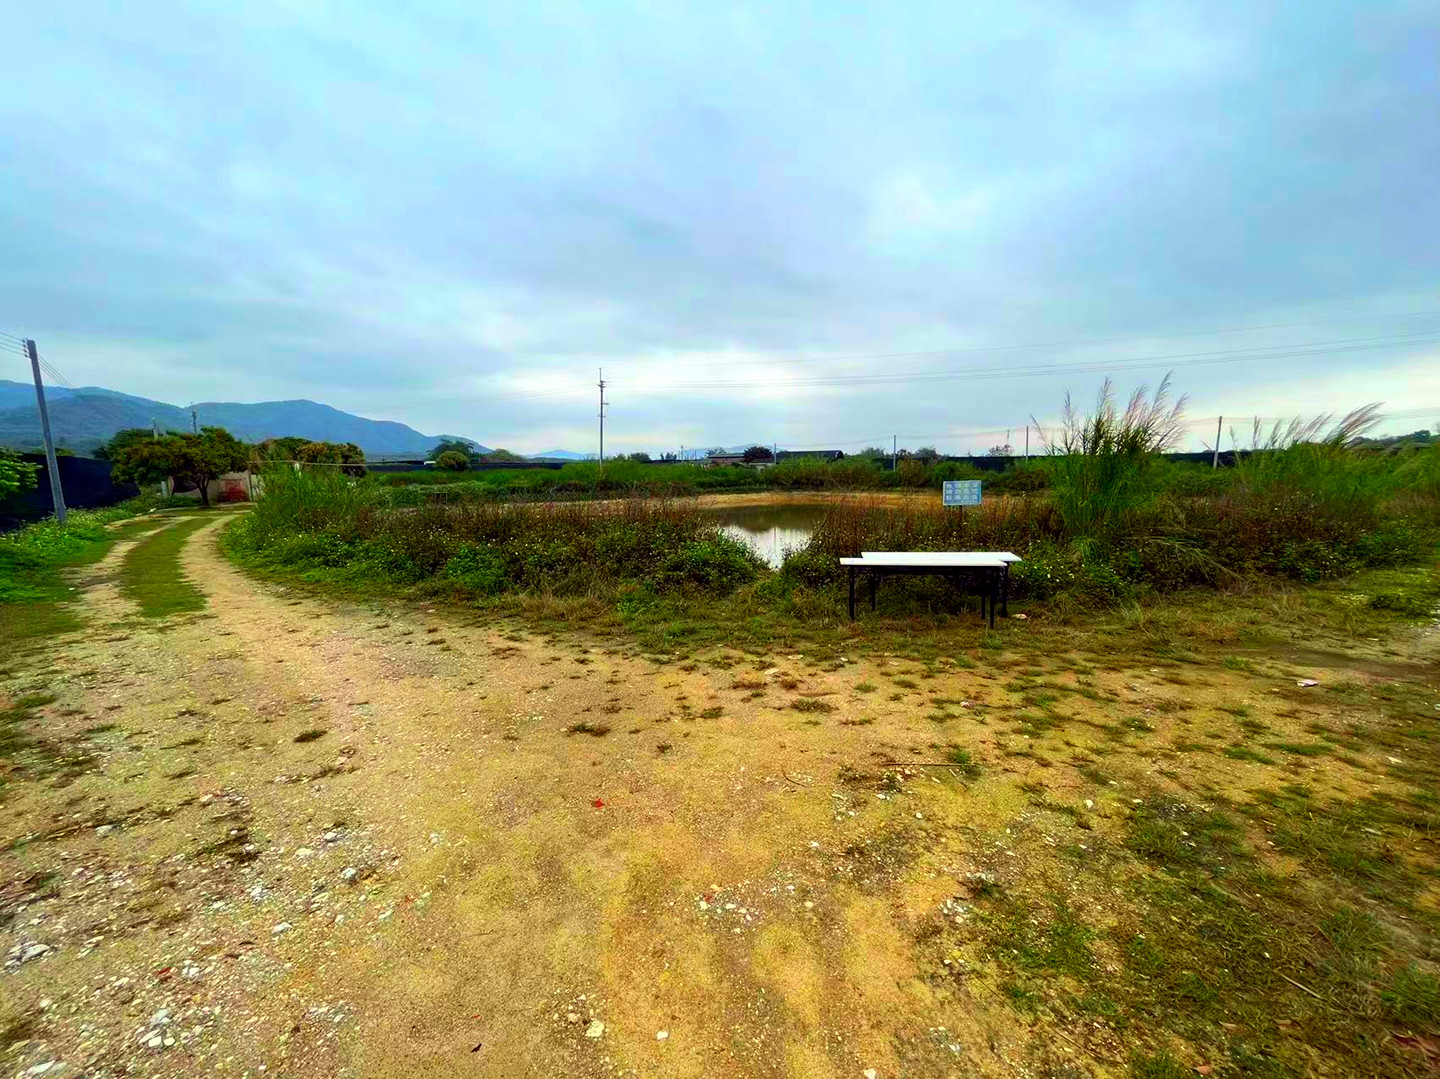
point(322, 839)
point(497, 912)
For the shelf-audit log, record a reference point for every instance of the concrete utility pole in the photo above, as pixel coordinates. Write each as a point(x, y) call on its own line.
point(602, 415)
point(894, 451)
point(56, 494)
point(1215, 461)
point(155, 437)
point(1027, 442)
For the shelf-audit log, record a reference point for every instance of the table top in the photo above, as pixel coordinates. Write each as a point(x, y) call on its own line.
point(939, 558)
point(930, 559)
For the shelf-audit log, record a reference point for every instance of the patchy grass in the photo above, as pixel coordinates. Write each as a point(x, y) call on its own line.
point(1413, 997)
point(1160, 912)
point(150, 575)
point(961, 758)
point(35, 597)
point(812, 705)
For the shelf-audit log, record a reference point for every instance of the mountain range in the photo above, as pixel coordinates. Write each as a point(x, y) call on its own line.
point(82, 419)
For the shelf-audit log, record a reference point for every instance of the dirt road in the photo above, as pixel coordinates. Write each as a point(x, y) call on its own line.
point(334, 841)
point(285, 836)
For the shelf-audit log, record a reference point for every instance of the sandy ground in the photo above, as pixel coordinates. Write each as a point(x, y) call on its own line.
point(311, 839)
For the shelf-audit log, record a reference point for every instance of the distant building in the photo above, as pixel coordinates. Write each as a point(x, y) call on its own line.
point(824, 455)
point(721, 460)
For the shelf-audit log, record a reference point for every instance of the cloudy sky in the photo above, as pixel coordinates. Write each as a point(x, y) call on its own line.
point(811, 224)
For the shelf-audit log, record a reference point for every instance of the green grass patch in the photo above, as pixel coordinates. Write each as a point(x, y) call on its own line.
point(35, 597)
point(151, 577)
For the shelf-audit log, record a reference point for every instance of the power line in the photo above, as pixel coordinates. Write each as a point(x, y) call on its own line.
point(1276, 352)
point(853, 358)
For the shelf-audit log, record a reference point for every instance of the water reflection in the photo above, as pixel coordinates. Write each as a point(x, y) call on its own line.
point(769, 531)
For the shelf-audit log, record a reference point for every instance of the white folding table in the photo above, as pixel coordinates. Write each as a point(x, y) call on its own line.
point(994, 567)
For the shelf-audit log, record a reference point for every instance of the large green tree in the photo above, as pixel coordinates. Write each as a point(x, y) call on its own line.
point(130, 436)
point(197, 459)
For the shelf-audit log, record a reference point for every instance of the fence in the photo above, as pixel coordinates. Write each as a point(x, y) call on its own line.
point(85, 481)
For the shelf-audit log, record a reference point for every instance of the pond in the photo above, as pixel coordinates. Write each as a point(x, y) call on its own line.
point(769, 531)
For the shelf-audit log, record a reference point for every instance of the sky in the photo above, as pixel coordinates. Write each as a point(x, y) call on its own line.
point(808, 224)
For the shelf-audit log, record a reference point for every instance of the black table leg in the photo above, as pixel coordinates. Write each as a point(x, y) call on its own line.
point(992, 581)
point(852, 592)
point(1005, 592)
point(873, 575)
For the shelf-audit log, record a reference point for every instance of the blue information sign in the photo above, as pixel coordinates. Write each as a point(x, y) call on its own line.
point(961, 492)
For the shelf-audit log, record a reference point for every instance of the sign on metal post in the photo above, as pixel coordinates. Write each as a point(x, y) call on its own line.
point(961, 492)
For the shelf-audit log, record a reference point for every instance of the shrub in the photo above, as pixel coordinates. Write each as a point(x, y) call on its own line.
point(452, 461)
point(478, 569)
point(716, 564)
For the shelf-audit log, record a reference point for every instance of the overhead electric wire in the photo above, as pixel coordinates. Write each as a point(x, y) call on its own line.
point(969, 350)
point(1274, 352)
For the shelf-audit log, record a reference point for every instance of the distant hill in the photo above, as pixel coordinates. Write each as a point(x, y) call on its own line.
point(83, 419)
point(561, 455)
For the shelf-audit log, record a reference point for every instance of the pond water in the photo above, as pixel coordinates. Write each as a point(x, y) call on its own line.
point(769, 531)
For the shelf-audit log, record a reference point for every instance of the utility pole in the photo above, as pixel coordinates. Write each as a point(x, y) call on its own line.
point(1027, 442)
point(155, 437)
point(602, 416)
point(194, 421)
point(56, 494)
point(894, 450)
point(1215, 461)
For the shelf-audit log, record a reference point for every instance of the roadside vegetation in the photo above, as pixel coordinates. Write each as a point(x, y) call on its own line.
point(34, 593)
point(1111, 521)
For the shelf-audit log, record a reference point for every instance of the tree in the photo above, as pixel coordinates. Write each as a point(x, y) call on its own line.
point(873, 453)
point(452, 461)
point(197, 459)
point(346, 454)
point(928, 454)
point(453, 445)
point(638, 455)
point(1004, 450)
point(503, 455)
point(757, 453)
point(123, 439)
point(15, 475)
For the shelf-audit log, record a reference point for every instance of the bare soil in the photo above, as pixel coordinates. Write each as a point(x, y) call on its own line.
point(304, 838)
